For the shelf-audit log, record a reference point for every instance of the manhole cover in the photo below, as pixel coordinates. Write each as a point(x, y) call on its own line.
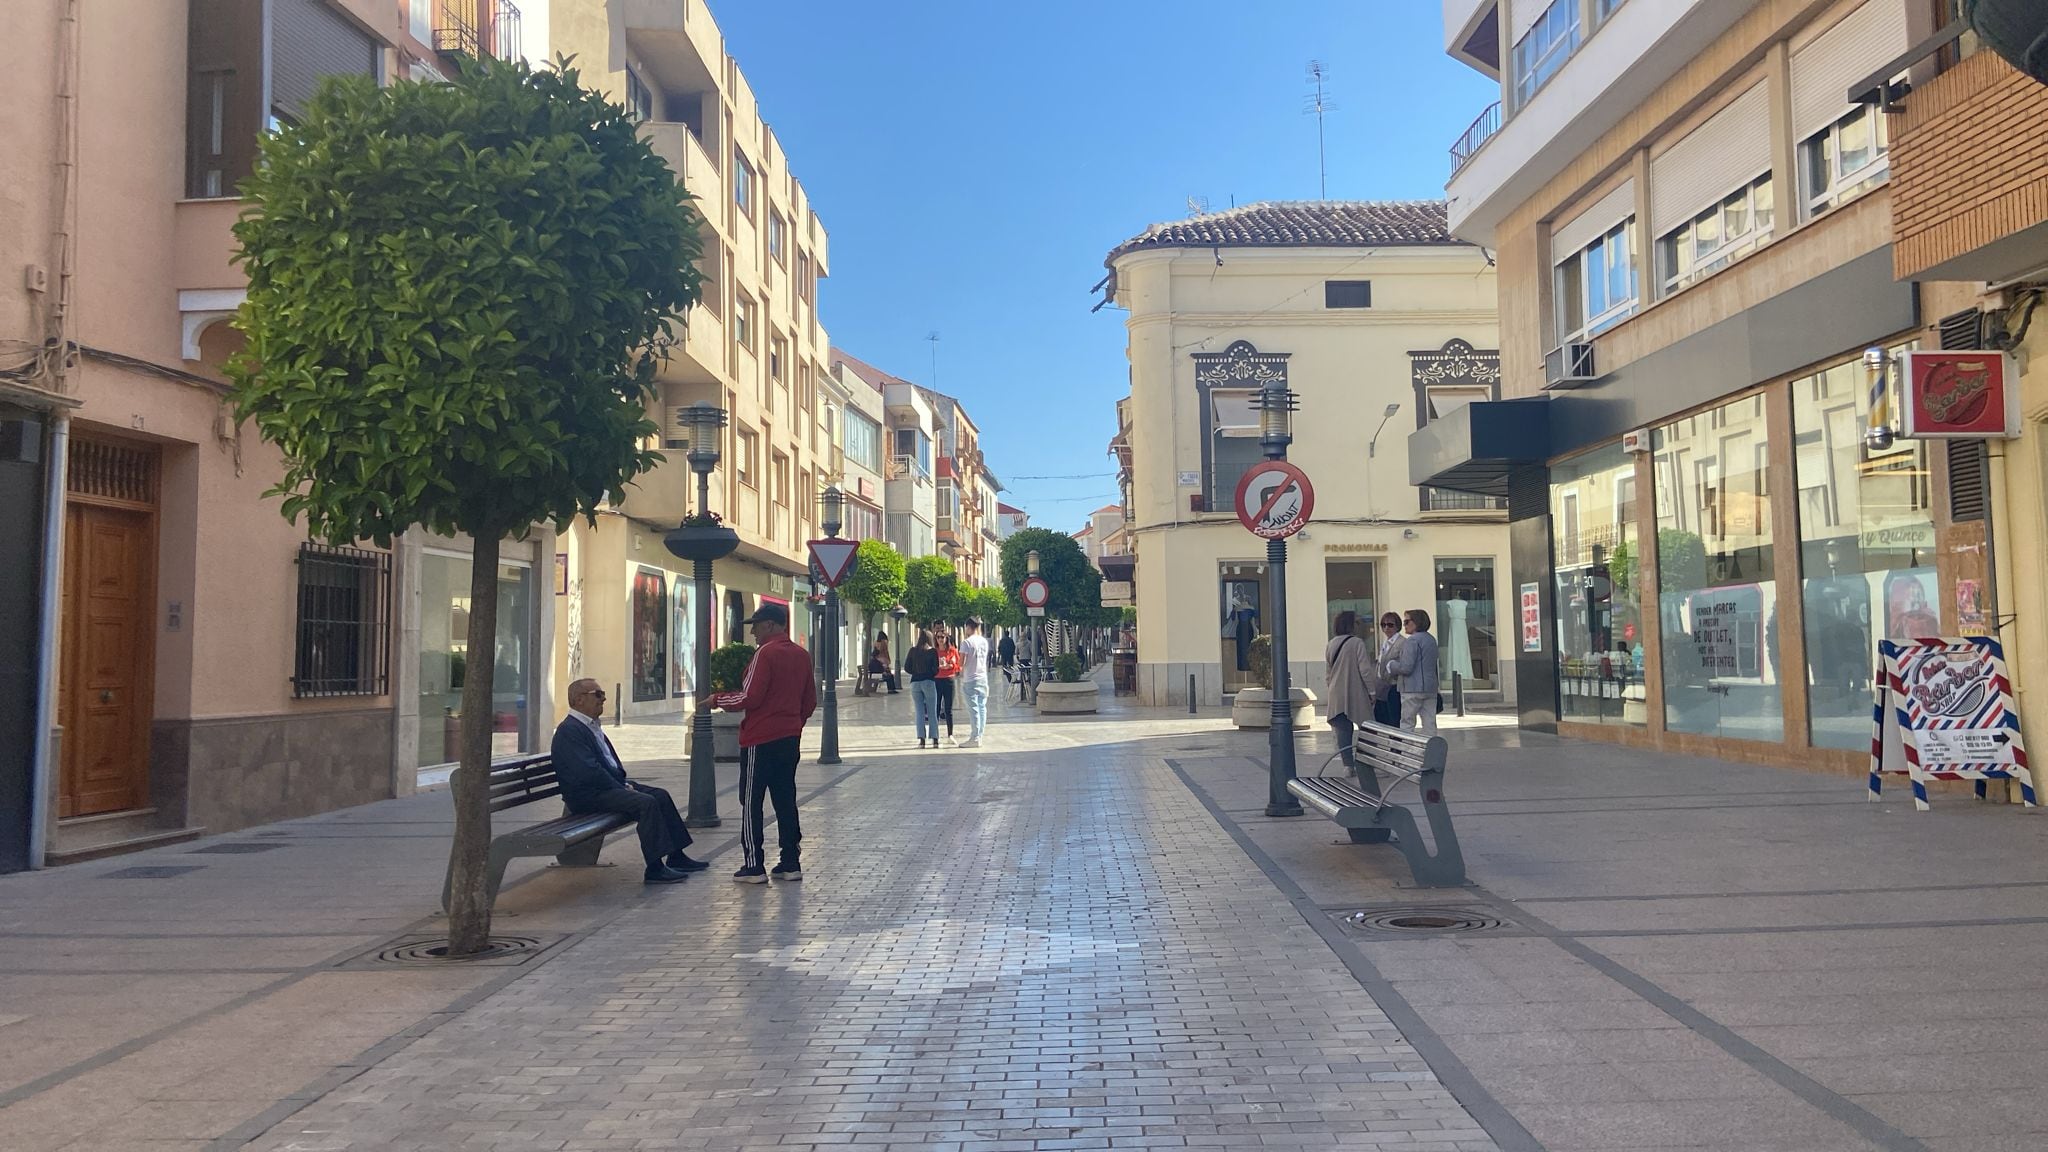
point(151, 871)
point(233, 849)
point(432, 952)
point(1424, 920)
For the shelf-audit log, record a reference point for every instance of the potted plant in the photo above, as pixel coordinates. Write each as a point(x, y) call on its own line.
point(1253, 707)
point(728, 671)
point(1069, 690)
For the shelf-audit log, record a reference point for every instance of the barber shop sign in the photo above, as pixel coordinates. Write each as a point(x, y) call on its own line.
point(1960, 396)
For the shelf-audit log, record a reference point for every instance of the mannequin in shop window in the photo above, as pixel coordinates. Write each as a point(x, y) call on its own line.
point(1241, 622)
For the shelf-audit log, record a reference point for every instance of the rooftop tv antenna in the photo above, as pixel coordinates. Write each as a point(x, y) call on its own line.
point(1198, 205)
point(1319, 103)
point(933, 336)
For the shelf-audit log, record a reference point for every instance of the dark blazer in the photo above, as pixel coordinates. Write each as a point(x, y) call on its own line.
point(580, 765)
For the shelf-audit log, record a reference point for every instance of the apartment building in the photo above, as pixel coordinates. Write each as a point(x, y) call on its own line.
point(1010, 521)
point(1707, 259)
point(753, 346)
point(177, 657)
point(1378, 318)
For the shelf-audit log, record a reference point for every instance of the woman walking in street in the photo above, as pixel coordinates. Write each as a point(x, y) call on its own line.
point(1350, 675)
point(949, 667)
point(923, 666)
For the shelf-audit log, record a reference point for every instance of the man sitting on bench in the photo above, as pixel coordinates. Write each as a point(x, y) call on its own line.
point(593, 780)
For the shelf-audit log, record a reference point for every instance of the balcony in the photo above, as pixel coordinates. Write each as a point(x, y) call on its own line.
point(1448, 500)
point(684, 154)
point(477, 28)
point(678, 41)
point(1479, 133)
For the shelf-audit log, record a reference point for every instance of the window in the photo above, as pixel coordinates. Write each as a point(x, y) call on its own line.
point(743, 323)
point(1545, 47)
point(1866, 548)
point(749, 460)
point(1596, 286)
point(743, 183)
point(639, 99)
point(947, 505)
point(777, 228)
point(1347, 293)
point(344, 622)
point(1464, 624)
point(1233, 443)
point(1717, 237)
point(804, 387)
point(1844, 160)
point(1598, 605)
point(651, 617)
point(803, 277)
point(445, 658)
point(778, 360)
point(863, 440)
point(915, 449)
point(1716, 592)
point(778, 479)
point(1348, 586)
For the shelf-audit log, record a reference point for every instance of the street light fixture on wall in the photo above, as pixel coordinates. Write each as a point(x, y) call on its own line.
point(701, 539)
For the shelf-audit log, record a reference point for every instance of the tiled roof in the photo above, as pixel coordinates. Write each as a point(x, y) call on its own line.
point(1302, 224)
point(867, 373)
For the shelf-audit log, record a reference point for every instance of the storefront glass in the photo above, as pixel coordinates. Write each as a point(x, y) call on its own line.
point(1348, 587)
point(650, 635)
point(1243, 604)
point(1866, 549)
point(1466, 634)
point(1601, 674)
point(444, 657)
point(1717, 600)
point(684, 658)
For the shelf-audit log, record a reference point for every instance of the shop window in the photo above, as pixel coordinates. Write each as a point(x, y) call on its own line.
point(445, 658)
point(1243, 597)
point(1866, 548)
point(1349, 586)
point(1716, 594)
point(1597, 559)
point(683, 659)
point(651, 613)
point(1465, 631)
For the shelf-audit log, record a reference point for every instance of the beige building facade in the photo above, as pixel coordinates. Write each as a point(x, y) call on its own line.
point(1379, 321)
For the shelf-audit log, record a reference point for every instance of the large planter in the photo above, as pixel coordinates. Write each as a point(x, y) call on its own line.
point(1055, 698)
point(1253, 707)
point(725, 735)
point(701, 542)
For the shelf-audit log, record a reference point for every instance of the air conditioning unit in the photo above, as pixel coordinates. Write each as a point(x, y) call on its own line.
point(1637, 441)
point(1569, 366)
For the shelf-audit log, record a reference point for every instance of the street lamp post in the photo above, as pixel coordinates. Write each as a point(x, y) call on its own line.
point(1276, 408)
point(1036, 635)
point(701, 540)
point(831, 514)
point(898, 614)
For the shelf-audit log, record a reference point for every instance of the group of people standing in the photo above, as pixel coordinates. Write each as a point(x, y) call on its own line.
point(942, 671)
point(1390, 679)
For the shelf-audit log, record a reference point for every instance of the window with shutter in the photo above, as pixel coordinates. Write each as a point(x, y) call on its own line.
point(311, 40)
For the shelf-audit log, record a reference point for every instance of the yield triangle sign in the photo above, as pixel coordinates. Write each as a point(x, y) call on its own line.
point(833, 558)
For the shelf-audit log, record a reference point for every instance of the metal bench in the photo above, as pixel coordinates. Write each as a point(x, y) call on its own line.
point(1361, 806)
point(574, 841)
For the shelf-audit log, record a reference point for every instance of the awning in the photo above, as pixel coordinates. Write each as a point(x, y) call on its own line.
point(1477, 446)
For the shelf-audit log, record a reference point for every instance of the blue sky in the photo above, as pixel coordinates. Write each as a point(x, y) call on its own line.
point(974, 162)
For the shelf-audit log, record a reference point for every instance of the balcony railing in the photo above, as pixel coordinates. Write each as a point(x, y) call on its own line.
point(1446, 500)
point(1480, 132)
point(478, 28)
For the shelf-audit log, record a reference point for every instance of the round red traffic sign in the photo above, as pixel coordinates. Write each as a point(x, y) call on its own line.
point(1275, 499)
point(1035, 592)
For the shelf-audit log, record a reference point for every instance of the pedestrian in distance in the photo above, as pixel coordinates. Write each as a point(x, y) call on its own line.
point(592, 779)
point(923, 666)
point(1386, 698)
point(878, 663)
point(1350, 674)
point(949, 671)
point(973, 680)
point(778, 695)
point(1006, 650)
point(1414, 665)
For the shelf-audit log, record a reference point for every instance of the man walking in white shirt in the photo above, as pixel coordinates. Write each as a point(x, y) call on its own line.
point(973, 680)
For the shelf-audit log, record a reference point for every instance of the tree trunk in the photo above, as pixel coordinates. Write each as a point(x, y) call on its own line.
point(469, 906)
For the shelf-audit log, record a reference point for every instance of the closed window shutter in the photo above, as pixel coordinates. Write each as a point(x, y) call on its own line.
point(1844, 54)
point(309, 40)
point(1717, 158)
point(1593, 223)
point(1969, 465)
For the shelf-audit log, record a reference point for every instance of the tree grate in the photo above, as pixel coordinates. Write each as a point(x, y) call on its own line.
point(432, 952)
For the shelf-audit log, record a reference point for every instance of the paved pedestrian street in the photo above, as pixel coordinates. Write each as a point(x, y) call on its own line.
point(1085, 935)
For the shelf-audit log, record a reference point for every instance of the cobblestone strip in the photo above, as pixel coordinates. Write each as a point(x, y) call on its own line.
point(1033, 954)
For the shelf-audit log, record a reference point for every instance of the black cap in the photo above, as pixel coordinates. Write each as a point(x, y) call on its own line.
point(770, 614)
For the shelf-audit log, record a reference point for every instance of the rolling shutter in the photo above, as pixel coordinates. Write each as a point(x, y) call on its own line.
point(1724, 154)
point(1844, 54)
point(309, 40)
point(1593, 223)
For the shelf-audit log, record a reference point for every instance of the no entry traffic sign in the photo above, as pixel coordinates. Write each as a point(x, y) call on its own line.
point(1275, 499)
point(1035, 593)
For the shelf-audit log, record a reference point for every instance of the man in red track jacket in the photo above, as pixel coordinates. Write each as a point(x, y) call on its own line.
point(778, 695)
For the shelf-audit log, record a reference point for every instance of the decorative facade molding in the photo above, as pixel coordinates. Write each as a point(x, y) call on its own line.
point(1240, 366)
point(1457, 362)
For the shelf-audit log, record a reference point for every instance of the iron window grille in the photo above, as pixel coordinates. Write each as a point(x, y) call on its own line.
point(344, 622)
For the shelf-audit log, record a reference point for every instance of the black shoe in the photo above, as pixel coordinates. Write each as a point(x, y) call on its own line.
point(786, 872)
point(754, 874)
point(681, 862)
point(920, 743)
point(661, 875)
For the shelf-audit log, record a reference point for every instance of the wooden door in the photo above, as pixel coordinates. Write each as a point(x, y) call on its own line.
point(108, 688)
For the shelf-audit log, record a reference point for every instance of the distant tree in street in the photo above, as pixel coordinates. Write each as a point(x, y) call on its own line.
point(1075, 584)
point(932, 589)
point(875, 584)
point(458, 295)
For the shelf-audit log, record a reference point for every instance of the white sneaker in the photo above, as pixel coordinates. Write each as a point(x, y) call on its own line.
point(970, 742)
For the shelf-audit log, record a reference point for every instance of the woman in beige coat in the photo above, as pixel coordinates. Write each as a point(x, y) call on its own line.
point(1351, 681)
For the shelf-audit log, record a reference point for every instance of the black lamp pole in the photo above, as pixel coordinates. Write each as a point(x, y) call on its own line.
point(832, 513)
point(1035, 633)
point(1276, 408)
point(702, 542)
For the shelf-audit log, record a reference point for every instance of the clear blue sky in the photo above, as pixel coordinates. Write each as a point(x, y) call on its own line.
point(974, 162)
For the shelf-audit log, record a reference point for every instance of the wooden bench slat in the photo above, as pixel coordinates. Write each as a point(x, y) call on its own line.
point(524, 799)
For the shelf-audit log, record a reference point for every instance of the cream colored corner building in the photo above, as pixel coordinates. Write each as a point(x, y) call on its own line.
point(1361, 307)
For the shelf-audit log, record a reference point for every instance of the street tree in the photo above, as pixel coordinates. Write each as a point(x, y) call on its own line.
point(1075, 584)
point(931, 589)
point(458, 296)
point(875, 583)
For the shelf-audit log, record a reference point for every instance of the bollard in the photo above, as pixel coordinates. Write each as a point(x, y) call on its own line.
point(1191, 693)
point(1458, 692)
point(618, 705)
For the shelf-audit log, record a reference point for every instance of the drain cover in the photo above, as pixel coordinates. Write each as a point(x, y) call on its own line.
point(150, 871)
point(233, 849)
point(432, 951)
point(1425, 920)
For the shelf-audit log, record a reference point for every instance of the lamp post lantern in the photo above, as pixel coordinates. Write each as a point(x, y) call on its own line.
point(701, 539)
point(899, 613)
point(1276, 417)
point(831, 514)
point(1035, 635)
